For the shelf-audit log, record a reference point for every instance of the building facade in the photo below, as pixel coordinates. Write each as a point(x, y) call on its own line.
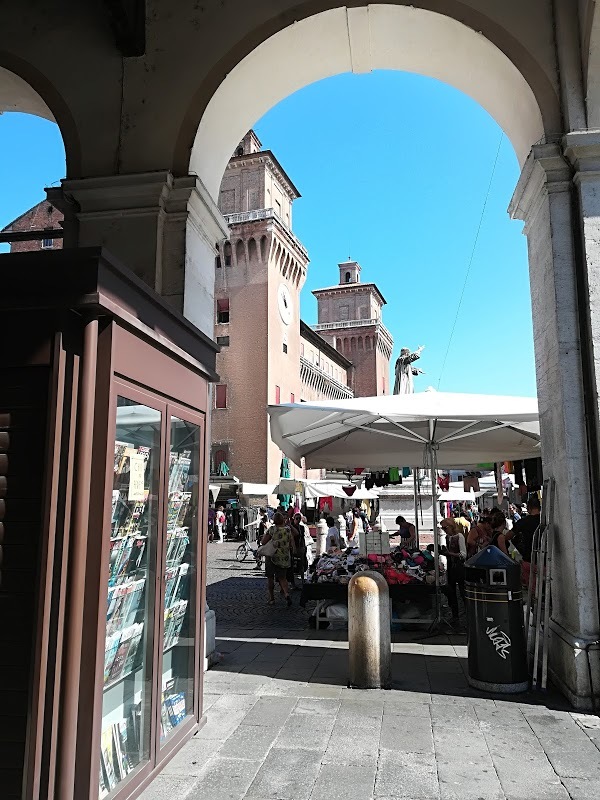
point(42, 217)
point(350, 319)
point(268, 355)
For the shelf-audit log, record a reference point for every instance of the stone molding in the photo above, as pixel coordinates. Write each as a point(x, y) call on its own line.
point(582, 150)
point(142, 194)
point(554, 168)
point(545, 171)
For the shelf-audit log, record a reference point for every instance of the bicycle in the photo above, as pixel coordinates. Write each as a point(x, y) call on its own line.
point(245, 550)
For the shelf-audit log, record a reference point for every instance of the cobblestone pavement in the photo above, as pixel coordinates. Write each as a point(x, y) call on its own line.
point(282, 724)
point(238, 593)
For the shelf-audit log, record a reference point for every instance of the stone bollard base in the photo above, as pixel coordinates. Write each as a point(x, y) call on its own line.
point(369, 636)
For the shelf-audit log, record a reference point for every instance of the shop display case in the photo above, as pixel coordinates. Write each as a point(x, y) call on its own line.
point(118, 597)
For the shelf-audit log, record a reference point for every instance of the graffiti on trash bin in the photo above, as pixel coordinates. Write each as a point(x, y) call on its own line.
point(499, 639)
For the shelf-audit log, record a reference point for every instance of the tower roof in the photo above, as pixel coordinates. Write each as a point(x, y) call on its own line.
point(268, 158)
point(342, 288)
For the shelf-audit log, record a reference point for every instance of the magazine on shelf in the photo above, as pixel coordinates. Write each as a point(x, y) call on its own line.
point(134, 601)
point(136, 637)
point(103, 791)
point(171, 576)
point(107, 759)
point(124, 602)
point(185, 501)
point(179, 468)
point(174, 618)
point(136, 556)
point(181, 588)
point(175, 704)
point(121, 455)
point(165, 720)
point(122, 763)
point(173, 509)
point(111, 647)
point(120, 657)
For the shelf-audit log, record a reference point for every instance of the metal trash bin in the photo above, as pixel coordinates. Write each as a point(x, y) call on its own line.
point(497, 659)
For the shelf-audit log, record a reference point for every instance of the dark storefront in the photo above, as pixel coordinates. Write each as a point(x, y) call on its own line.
point(103, 485)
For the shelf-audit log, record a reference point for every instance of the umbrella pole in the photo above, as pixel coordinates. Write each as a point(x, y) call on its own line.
point(416, 501)
point(436, 548)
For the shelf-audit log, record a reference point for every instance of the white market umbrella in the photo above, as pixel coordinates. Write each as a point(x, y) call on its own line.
point(430, 428)
point(392, 430)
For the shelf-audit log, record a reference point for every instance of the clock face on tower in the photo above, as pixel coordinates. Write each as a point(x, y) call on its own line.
point(284, 301)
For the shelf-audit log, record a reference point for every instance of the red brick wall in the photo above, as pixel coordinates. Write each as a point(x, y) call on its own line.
point(39, 217)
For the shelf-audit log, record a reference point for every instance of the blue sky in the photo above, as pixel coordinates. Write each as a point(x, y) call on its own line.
point(393, 169)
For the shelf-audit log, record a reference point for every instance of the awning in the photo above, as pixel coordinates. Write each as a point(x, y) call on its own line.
point(257, 489)
point(458, 495)
point(384, 431)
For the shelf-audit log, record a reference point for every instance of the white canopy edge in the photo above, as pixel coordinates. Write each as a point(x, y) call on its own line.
point(257, 489)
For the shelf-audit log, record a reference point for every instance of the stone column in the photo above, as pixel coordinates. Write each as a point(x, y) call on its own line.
point(165, 229)
point(545, 199)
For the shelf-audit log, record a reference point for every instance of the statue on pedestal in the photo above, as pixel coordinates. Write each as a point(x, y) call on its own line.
point(405, 372)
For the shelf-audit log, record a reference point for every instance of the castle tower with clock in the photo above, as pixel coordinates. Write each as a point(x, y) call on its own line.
point(267, 354)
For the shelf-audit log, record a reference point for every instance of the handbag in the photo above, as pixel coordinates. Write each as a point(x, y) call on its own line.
point(268, 550)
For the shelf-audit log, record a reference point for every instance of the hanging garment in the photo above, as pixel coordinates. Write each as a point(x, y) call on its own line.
point(499, 487)
point(325, 503)
point(533, 474)
point(394, 476)
point(518, 470)
point(405, 472)
point(470, 482)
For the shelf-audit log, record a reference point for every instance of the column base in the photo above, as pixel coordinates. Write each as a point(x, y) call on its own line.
point(574, 667)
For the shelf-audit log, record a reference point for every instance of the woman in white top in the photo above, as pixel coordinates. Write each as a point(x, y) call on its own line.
point(357, 528)
point(307, 540)
point(342, 529)
point(333, 535)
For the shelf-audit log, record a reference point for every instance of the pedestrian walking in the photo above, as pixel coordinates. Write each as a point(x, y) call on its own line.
point(277, 564)
point(456, 552)
point(220, 524)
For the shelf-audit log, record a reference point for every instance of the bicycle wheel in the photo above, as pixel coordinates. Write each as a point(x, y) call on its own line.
point(241, 553)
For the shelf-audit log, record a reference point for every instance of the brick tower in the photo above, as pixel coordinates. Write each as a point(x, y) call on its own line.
point(349, 317)
point(259, 273)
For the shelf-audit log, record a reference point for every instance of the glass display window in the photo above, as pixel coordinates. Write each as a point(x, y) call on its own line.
point(151, 642)
point(179, 576)
point(128, 655)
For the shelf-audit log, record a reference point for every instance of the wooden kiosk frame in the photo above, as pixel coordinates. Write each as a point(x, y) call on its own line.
point(78, 332)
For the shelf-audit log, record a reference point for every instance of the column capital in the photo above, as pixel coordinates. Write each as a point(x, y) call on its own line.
point(546, 170)
point(204, 214)
point(582, 150)
point(137, 193)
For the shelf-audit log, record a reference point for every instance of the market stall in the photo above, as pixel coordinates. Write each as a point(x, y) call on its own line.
point(432, 429)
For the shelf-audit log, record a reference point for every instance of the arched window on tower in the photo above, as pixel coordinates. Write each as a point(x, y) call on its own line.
point(348, 277)
point(227, 254)
point(240, 253)
point(252, 251)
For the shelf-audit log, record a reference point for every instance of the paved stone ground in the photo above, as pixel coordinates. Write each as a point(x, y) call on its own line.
point(282, 725)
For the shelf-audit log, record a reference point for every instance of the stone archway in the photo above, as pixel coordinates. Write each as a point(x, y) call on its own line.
point(25, 90)
point(362, 40)
point(527, 107)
